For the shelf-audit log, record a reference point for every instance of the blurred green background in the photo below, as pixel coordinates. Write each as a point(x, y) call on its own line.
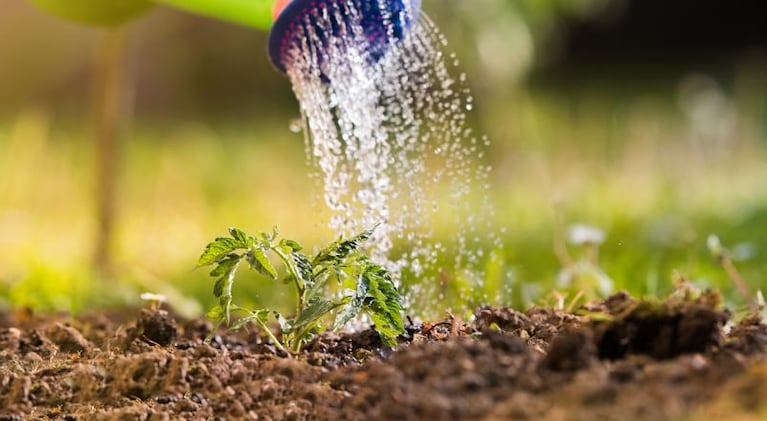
point(644, 119)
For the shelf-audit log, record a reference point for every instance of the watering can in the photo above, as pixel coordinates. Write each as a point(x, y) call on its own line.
point(281, 16)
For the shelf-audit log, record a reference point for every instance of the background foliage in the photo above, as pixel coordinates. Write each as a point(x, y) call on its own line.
point(658, 140)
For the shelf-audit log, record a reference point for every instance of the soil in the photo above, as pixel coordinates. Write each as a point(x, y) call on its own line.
point(619, 359)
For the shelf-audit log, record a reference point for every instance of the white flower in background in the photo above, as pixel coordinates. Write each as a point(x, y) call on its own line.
point(153, 298)
point(581, 234)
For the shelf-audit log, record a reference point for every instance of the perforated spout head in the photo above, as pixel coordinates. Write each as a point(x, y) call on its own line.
point(381, 23)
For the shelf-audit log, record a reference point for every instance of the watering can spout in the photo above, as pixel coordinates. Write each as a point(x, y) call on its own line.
point(378, 23)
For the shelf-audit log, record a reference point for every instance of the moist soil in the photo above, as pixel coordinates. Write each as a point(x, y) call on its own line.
point(619, 359)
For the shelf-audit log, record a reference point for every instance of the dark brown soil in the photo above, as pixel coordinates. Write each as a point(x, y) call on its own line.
point(620, 359)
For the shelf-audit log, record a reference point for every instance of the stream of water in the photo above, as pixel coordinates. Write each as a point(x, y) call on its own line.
point(389, 139)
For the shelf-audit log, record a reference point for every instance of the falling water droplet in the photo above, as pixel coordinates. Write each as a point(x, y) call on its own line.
point(296, 125)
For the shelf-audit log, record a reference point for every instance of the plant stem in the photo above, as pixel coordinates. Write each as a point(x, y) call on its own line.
point(269, 333)
point(737, 279)
point(299, 289)
point(295, 346)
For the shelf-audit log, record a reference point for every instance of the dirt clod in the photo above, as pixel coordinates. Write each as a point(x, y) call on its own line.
point(157, 326)
point(67, 338)
point(661, 330)
point(571, 351)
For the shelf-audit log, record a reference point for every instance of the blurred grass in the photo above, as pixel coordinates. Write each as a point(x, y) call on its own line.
point(644, 172)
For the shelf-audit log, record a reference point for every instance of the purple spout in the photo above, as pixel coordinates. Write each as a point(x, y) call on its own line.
point(382, 23)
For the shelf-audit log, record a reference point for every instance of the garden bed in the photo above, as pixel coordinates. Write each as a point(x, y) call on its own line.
point(618, 359)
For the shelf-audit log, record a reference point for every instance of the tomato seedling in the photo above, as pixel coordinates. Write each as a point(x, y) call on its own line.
point(367, 287)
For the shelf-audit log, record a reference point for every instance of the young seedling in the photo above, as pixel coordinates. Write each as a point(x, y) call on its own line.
point(722, 256)
point(583, 274)
point(367, 287)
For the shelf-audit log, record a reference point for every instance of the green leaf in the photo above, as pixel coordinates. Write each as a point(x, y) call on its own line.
point(218, 289)
point(303, 267)
point(354, 305)
point(286, 326)
point(225, 265)
point(216, 313)
point(260, 262)
point(316, 309)
point(239, 236)
point(383, 303)
point(254, 316)
point(341, 249)
point(218, 249)
point(292, 245)
point(227, 269)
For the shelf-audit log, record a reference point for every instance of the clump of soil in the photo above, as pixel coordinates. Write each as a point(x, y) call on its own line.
point(617, 359)
point(156, 326)
point(664, 329)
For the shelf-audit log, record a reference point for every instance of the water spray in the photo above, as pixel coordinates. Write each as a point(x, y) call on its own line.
point(385, 123)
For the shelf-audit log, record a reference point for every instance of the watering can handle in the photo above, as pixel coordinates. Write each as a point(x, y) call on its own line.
point(253, 13)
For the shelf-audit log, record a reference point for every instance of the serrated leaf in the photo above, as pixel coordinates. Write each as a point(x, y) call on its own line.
point(226, 265)
point(260, 262)
point(240, 236)
point(354, 305)
point(217, 250)
point(292, 245)
point(315, 310)
point(303, 267)
point(383, 303)
point(341, 249)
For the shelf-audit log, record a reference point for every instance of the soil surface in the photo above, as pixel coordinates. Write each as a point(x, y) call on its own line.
point(620, 359)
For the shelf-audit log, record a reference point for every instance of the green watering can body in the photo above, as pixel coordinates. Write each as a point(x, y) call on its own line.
point(252, 13)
